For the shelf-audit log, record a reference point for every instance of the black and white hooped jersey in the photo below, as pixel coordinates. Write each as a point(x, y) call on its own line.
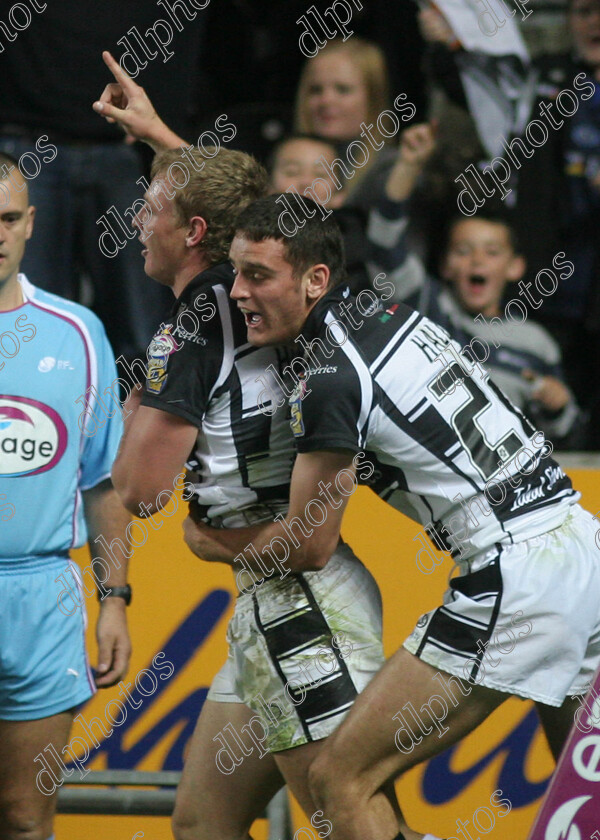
point(201, 368)
point(447, 447)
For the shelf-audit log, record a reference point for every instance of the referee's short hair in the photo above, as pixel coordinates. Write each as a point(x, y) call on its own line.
point(219, 183)
point(317, 240)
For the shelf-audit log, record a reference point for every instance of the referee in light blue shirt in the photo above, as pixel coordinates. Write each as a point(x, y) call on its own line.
point(55, 492)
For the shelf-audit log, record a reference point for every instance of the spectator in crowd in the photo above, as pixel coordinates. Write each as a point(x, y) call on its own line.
point(300, 159)
point(344, 85)
point(247, 80)
point(555, 187)
point(480, 258)
point(342, 94)
point(374, 239)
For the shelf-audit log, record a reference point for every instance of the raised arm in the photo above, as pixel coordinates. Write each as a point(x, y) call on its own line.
point(126, 103)
point(388, 252)
point(417, 144)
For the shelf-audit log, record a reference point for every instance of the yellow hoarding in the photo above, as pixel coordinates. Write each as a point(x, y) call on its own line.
point(178, 618)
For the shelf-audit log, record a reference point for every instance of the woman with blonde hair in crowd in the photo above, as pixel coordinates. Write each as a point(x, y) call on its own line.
point(345, 84)
point(343, 95)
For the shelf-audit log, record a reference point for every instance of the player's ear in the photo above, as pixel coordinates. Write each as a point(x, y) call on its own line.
point(196, 231)
point(317, 281)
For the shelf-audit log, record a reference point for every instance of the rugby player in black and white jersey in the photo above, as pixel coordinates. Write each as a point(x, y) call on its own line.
point(451, 453)
point(201, 404)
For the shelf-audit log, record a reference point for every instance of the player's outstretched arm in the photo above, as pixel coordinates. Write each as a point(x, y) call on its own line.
point(126, 103)
point(106, 517)
point(310, 547)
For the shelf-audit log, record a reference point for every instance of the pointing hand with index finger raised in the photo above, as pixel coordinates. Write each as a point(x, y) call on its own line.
point(126, 103)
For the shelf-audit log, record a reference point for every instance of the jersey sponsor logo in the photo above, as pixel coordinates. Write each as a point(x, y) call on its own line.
point(190, 336)
point(33, 436)
point(323, 369)
point(527, 495)
point(531, 493)
point(162, 346)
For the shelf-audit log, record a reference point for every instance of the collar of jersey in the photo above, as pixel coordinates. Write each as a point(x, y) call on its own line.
point(220, 274)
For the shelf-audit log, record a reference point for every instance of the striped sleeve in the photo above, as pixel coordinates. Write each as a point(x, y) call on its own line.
point(335, 410)
point(186, 368)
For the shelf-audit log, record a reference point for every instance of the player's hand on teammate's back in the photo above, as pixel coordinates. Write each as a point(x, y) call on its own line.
point(126, 103)
point(114, 646)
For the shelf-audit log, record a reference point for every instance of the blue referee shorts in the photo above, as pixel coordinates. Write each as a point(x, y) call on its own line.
point(44, 667)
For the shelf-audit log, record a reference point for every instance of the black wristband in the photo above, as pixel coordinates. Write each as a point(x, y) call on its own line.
point(117, 592)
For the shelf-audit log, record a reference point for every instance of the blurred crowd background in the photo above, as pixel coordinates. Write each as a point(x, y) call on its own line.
point(518, 280)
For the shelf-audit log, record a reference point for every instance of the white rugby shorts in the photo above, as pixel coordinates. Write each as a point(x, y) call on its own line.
point(302, 647)
point(523, 618)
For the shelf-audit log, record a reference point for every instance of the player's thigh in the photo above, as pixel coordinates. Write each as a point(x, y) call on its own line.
point(22, 804)
point(380, 738)
point(214, 803)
